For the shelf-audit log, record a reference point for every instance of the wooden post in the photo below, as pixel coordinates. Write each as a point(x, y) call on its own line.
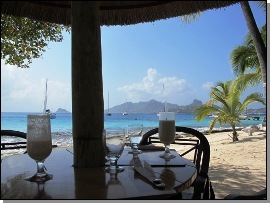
point(87, 86)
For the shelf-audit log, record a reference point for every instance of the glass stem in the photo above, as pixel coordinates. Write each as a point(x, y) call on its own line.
point(40, 167)
point(135, 147)
point(167, 149)
point(113, 164)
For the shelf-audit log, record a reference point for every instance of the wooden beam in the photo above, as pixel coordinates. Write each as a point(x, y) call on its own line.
point(87, 85)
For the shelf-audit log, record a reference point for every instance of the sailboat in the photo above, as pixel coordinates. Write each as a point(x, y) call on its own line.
point(45, 110)
point(211, 115)
point(108, 113)
point(125, 113)
point(244, 116)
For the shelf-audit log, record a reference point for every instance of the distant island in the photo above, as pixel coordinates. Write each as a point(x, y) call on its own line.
point(154, 106)
point(60, 110)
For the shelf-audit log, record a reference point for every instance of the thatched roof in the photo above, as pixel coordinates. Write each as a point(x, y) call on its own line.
point(111, 12)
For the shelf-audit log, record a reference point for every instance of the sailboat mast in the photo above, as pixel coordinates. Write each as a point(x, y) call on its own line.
point(45, 100)
point(165, 99)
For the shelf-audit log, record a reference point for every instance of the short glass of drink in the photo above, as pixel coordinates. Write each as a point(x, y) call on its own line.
point(134, 132)
point(114, 143)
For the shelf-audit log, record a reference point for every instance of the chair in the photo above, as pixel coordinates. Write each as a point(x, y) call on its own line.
point(200, 146)
point(13, 145)
point(256, 195)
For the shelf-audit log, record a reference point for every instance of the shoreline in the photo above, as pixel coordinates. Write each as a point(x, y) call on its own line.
point(65, 139)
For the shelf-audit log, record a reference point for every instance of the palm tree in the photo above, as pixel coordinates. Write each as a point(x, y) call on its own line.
point(244, 58)
point(230, 106)
point(259, 47)
point(256, 37)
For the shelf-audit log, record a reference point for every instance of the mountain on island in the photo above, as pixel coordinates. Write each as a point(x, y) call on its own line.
point(153, 106)
point(60, 110)
point(188, 108)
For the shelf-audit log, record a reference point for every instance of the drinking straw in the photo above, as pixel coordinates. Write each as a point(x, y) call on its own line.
point(165, 102)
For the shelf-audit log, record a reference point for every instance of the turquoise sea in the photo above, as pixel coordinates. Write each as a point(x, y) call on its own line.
point(63, 121)
point(61, 126)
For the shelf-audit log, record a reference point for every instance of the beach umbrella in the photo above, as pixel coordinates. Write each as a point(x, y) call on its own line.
point(85, 18)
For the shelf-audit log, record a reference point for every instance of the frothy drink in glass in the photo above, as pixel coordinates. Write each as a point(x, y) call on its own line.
point(39, 144)
point(39, 150)
point(167, 131)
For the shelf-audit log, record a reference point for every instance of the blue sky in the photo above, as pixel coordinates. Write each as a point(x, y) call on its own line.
point(136, 61)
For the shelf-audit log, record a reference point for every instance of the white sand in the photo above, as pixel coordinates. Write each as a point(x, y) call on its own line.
point(237, 167)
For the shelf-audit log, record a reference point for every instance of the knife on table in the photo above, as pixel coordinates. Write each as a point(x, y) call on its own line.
point(148, 173)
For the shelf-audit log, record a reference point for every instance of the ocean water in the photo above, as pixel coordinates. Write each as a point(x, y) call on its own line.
point(62, 126)
point(63, 122)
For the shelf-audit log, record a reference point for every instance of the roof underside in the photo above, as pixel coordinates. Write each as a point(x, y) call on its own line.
point(111, 12)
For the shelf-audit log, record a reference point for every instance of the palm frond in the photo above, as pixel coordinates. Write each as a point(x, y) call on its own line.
point(218, 98)
point(235, 102)
point(263, 33)
point(261, 4)
point(190, 17)
point(221, 89)
point(202, 111)
point(247, 80)
point(248, 39)
point(222, 94)
point(243, 58)
point(254, 97)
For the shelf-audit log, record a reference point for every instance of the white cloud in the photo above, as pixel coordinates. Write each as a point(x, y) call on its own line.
point(207, 85)
point(151, 87)
point(21, 91)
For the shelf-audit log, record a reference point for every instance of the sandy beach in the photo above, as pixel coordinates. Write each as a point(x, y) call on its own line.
point(237, 167)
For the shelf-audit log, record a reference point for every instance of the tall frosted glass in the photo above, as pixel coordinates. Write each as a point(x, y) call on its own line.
point(39, 144)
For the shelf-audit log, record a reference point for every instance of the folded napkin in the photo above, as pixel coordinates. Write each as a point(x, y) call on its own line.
point(151, 147)
point(148, 173)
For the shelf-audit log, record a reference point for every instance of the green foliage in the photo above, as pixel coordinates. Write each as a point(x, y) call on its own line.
point(191, 17)
point(23, 39)
point(228, 108)
point(262, 5)
point(245, 63)
point(248, 80)
point(249, 41)
point(245, 57)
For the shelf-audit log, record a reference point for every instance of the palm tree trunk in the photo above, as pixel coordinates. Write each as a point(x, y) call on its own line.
point(235, 135)
point(257, 39)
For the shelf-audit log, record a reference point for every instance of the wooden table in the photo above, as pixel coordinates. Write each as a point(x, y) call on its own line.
point(92, 183)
